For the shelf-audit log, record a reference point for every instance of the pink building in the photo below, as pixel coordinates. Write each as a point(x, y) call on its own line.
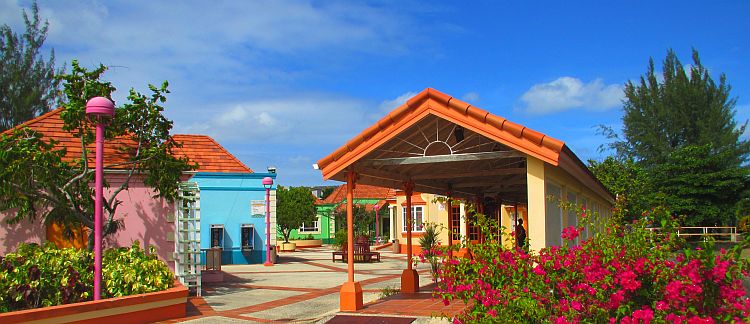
point(148, 220)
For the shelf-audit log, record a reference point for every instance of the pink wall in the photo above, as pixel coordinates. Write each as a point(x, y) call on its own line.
point(145, 219)
point(25, 231)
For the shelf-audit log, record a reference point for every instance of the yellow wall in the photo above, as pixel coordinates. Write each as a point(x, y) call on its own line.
point(433, 213)
point(568, 184)
point(535, 173)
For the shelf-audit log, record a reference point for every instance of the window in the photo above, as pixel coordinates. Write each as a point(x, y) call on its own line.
point(417, 217)
point(456, 222)
point(554, 214)
point(311, 227)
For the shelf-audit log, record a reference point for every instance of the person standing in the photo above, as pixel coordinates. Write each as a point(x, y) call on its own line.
point(520, 234)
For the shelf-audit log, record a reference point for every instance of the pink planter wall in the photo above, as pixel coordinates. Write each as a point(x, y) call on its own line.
point(143, 308)
point(146, 219)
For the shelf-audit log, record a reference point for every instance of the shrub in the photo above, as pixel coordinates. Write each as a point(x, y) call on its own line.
point(626, 273)
point(39, 276)
point(431, 253)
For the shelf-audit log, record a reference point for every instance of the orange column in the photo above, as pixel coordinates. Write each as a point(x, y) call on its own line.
point(351, 291)
point(450, 222)
point(409, 278)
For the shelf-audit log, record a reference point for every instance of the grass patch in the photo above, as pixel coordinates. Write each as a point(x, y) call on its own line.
point(389, 291)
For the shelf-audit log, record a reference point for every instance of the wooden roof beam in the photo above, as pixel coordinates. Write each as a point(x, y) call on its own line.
point(479, 173)
point(443, 158)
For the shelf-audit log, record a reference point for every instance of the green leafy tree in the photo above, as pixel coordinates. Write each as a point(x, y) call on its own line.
point(364, 220)
point(686, 107)
point(36, 180)
point(681, 130)
point(694, 181)
point(27, 81)
point(628, 181)
point(294, 206)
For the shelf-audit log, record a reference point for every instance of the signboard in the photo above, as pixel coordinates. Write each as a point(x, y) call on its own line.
point(258, 208)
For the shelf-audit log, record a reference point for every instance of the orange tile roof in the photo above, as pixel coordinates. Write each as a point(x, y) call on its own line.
point(201, 149)
point(210, 155)
point(416, 199)
point(431, 101)
point(361, 191)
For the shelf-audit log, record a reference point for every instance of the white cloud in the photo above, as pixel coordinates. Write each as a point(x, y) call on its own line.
point(567, 93)
point(387, 105)
point(304, 120)
point(471, 97)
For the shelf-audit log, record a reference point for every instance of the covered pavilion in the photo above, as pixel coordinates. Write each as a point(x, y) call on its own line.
point(435, 143)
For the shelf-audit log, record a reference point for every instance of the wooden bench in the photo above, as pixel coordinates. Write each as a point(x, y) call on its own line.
point(362, 253)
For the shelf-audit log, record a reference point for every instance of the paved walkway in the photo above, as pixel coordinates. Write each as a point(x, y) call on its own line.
point(304, 287)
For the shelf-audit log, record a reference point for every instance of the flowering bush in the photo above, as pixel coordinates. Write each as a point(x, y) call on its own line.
point(625, 274)
point(40, 276)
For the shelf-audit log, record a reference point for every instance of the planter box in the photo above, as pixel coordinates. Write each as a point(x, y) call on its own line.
point(143, 308)
point(307, 243)
point(287, 247)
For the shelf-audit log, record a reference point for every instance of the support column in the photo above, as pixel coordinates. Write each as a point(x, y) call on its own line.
point(351, 291)
point(535, 208)
point(392, 218)
point(449, 207)
point(409, 278)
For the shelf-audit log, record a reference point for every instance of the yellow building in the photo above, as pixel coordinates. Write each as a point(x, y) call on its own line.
point(440, 145)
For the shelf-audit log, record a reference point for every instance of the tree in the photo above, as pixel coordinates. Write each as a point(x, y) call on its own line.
point(364, 220)
point(695, 182)
point(36, 179)
point(626, 180)
point(681, 110)
point(294, 206)
point(327, 191)
point(27, 82)
point(682, 131)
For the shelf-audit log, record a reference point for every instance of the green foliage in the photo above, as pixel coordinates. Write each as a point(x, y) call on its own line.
point(430, 244)
point(40, 276)
point(36, 182)
point(681, 130)
point(694, 181)
point(626, 180)
point(27, 82)
point(626, 274)
point(389, 291)
point(294, 206)
point(364, 220)
point(130, 271)
point(327, 191)
point(340, 239)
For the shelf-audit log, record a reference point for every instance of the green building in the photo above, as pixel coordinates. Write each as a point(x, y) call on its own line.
point(324, 228)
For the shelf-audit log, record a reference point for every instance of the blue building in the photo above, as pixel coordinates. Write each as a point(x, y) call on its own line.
point(232, 202)
point(233, 215)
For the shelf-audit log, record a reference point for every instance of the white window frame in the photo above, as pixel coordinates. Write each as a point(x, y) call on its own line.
point(310, 230)
point(415, 226)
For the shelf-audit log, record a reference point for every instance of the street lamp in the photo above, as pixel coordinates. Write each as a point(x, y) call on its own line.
point(377, 225)
point(267, 183)
point(101, 110)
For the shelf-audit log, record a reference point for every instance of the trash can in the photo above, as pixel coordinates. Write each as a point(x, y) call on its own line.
point(396, 247)
point(213, 259)
point(273, 254)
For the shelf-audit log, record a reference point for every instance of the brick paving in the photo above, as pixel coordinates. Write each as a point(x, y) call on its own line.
point(304, 287)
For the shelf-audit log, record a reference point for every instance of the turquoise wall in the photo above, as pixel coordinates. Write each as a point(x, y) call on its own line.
point(225, 200)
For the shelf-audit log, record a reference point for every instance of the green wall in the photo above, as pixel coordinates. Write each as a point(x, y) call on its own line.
point(325, 212)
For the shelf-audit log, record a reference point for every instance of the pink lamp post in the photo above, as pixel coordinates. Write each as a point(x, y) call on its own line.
point(100, 109)
point(267, 183)
point(377, 225)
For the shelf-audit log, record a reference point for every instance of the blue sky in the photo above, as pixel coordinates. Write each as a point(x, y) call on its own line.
point(284, 83)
